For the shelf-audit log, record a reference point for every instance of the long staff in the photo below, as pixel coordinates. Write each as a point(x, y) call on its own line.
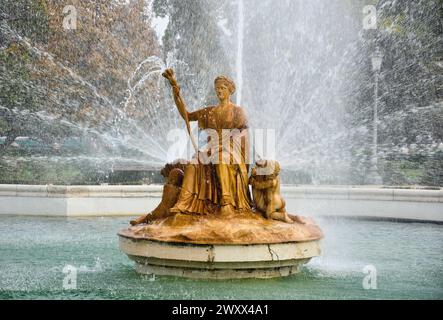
point(169, 74)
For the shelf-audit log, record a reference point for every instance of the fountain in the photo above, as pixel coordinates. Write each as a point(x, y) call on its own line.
point(84, 112)
point(206, 225)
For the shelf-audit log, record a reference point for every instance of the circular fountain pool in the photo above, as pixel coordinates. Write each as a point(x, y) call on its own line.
point(404, 261)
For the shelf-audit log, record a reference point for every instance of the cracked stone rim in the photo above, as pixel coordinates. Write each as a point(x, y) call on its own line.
point(218, 261)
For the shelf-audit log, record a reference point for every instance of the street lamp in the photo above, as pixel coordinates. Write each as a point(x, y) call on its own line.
point(377, 59)
point(374, 177)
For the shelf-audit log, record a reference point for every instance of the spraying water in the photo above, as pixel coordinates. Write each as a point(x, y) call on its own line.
point(239, 59)
point(302, 69)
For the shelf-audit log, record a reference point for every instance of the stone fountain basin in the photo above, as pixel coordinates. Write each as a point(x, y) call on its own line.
point(214, 247)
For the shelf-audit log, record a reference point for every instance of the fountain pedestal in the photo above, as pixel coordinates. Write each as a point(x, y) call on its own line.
point(214, 247)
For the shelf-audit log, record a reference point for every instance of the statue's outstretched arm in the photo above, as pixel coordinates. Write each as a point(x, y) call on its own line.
point(178, 98)
point(179, 102)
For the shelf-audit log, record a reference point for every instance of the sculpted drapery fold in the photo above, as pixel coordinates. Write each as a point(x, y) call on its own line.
point(220, 178)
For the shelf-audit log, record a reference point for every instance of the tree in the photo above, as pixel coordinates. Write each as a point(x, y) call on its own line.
point(410, 86)
point(17, 88)
point(77, 78)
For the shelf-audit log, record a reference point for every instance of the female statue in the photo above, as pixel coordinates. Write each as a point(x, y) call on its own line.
point(220, 184)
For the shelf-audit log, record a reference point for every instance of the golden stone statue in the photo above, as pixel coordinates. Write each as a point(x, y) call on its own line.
point(171, 192)
point(266, 191)
point(213, 205)
point(223, 184)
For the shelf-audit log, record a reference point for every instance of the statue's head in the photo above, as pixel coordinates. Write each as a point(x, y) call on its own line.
point(175, 177)
point(224, 87)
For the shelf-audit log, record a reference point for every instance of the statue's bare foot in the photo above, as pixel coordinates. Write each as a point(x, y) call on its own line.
point(298, 219)
point(281, 216)
point(288, 219)
point(139, 220)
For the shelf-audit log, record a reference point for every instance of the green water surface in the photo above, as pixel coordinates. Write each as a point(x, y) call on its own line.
point(407, 257)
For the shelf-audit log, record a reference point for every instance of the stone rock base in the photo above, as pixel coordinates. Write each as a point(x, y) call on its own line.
point(217, 273)
point(232, 261)
point(228, 229)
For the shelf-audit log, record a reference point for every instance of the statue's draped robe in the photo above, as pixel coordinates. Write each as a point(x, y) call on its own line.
point(209, 184)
